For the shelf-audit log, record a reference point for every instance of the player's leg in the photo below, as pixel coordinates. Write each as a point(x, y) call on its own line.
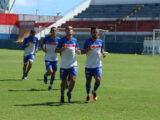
point(63, 76)
point(88, 74)
point(97, 76)
point(24, 70)
point(53, 72)
point(73, 74)
point(68, 80)
point(49, 70)
point(30, 61)
point(25, 61)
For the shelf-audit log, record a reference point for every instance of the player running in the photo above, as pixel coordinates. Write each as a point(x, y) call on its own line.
point(48, 46)
point(93, 48)
point(30, 46)
point(68, 46)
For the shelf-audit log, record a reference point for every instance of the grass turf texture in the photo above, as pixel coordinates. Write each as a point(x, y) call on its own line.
point(130, 90)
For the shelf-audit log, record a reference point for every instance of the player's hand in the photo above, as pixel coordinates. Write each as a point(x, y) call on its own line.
point(64, 48)
point(29, 43)
point(104, 55)
point(78, 51)
point(45, 50)
point(89, 48)
point(36, 50)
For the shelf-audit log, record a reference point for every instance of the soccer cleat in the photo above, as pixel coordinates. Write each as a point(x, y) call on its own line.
point(88, 99)
point(50, 88)
point(24, 77)
point(62, 99)
point(45, 79)
point(94, 96)
point(69, 97)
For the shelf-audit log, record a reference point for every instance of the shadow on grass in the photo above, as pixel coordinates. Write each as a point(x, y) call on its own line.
point(6, 80)
point(48, 79)
point(50, 104)
point(30, 90)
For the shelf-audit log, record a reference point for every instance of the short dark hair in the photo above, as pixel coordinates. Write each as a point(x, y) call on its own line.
point(68, 27)
point(32, 32)
point(94, 28)
point(52, 28)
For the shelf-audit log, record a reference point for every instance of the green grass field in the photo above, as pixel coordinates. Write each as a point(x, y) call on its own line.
point(130, 90)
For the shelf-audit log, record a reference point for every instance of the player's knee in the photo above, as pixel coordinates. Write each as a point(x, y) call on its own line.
point(50, 72)
point(98, 80)
point(64, 81)
point(73, 78)
point(24, 65)
point(53, 73)
point(30, 63)
point(88, 81)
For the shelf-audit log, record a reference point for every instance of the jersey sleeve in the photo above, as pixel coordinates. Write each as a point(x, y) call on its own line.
point(77, 46)
point(85, 45)
point(59, 46)
point(24, 44)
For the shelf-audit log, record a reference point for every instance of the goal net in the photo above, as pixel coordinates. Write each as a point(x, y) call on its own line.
point(156, 42)
point(151, 45)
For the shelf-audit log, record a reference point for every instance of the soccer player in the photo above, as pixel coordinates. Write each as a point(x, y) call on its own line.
point(48, 46)
point(68, 46)
point(93, 48)
point(30, 46)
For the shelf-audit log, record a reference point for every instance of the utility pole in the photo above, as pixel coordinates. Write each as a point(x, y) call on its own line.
point(37, 11)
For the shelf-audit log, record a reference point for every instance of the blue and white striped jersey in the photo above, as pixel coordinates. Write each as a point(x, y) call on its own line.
point(29, 50)
point(68, 57)
point(94, 55)
point(50, 45)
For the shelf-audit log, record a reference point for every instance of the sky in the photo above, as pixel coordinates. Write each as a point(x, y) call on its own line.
point(44, 7)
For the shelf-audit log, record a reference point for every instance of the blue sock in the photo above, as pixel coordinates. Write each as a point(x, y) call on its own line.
point(62, 93)
point(88, 87)
point(26, 72)
point(69, 90)
point(52, 80)
point(46, 74)
point(96, 86)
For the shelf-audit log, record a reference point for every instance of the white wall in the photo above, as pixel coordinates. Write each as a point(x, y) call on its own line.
point(37, 18)
point(104, 2)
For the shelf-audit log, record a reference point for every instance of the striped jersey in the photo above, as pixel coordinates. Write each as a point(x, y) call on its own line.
point(94, 55)
point(68, 57)
point(50, 44)
point(30, 50)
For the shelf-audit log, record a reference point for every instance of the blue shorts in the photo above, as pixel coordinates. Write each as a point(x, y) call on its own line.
point(89, 72)
point(28, 58)
point(70, 71)
point(51, 64)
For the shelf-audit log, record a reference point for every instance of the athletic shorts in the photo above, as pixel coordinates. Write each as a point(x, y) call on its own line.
point(28, 58)
point(70, 71)
point(51, 65)
point(89, 72)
